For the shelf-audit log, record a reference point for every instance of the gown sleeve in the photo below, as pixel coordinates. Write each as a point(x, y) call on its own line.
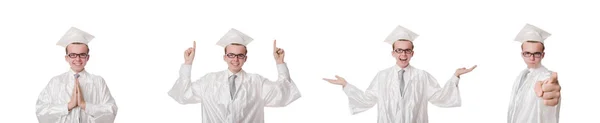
point(47, 110)
point(281, 92)
point(449, 96)
point(360, 101)
point(103, 109)
point(186, 92)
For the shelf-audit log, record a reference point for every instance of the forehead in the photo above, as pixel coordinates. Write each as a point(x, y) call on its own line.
point(77, 48)
point(403, 44)
point(532, 47)
point(235, 49)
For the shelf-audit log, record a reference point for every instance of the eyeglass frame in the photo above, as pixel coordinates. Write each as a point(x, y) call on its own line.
point(400, 51)
point(75, 55)
point(238, 56)
point(529, 54)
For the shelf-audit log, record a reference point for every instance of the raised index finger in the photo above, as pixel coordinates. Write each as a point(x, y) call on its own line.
point(194, 45)
point(274, 44)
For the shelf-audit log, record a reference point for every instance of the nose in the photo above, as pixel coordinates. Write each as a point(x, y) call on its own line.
point(532, 57)
point(78, 59)
point(403, 54)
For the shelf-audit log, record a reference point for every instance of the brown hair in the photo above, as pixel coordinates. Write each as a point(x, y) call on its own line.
point(411, 43)
point(237, 44)
point(543, 47)
point(86, 46)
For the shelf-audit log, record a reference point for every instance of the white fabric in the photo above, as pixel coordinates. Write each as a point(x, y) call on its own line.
point(74, 35)
point(234, 36)
point(52, 102)
point(400, 33)
point(532, 33)
point(420, 88)
point(525, 106)
point(254, 92)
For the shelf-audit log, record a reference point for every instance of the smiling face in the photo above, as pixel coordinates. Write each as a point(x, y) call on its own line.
point(77, 56)
point(235, 56)
point(403, 52)
point(532, 53)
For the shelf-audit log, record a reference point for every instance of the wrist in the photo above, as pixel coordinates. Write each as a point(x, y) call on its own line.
point(82, 105)
point(70, 106)
point(279, 61)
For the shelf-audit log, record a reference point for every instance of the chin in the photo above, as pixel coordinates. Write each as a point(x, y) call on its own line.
point(77, 69)
point(235, 67)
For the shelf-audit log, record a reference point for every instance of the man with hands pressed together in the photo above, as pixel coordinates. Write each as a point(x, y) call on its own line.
point(76, 96)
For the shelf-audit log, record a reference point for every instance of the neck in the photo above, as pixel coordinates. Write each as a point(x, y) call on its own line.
point(77, 71)
point(235, 71)
point(403, 66)
point(534, 66)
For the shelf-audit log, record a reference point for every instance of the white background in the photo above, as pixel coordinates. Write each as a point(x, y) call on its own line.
point(139, 45)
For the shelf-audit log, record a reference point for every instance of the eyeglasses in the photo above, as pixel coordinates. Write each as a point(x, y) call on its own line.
point(535, 54)
point(240, 56)
point(407, 51)
point(81, 55)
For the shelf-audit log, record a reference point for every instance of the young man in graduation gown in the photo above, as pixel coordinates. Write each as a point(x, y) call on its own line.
point(233, 95)
point(402, 91)
point(535, 95)
point(76, 96)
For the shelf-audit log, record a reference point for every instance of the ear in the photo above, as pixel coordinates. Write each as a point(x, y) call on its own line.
point(392, 53)
point(225, 58)
point(88, 58)
point(543, 54)
point(67, 58)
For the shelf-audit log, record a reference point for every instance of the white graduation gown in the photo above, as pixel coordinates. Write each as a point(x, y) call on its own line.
point(420, 88)
point(52, 103)
point(254, 92)
point(525, 106)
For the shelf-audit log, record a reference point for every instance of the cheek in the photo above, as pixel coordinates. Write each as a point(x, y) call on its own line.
point(70, 60)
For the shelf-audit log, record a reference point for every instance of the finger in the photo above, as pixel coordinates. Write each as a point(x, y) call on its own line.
point(338, 77)
point(550, 88)
point(194, 45)
point(554, 78)
point(280, 51)
point(551, 95)
point(551, 102)
point(470, 69)
point(192, 51)
point(538, 89)
point(329, 80)
point(274, 44)
point(78, 88)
